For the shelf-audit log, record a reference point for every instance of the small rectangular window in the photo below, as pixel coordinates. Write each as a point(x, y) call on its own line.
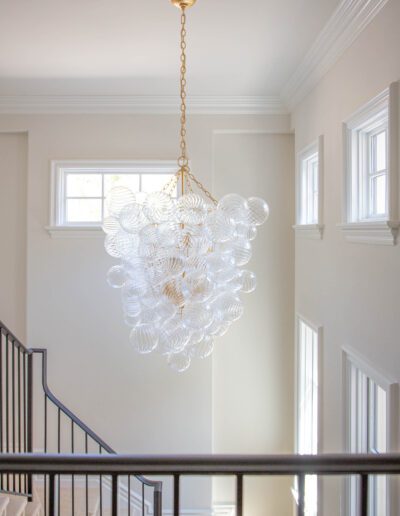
point(309, 191)
point(308, 356)
point(80, 189)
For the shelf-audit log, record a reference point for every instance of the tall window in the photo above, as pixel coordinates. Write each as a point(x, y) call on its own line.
point(309, 189)
point(369, 152)
point(80, 189)
point(368, 430)
point(308, 358)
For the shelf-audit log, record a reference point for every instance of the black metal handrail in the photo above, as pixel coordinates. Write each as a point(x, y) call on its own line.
point(178, 466)
point(16, 380)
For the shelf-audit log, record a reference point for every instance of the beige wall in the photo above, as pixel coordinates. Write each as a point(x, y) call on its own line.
point(352, 290)
point(134, 402)
point(13, 179)
point(253, 365)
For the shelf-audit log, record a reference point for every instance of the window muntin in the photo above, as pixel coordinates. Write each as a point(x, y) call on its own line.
point(309, 189)
point(367, 433)
point(308, 405)
point(80, 190)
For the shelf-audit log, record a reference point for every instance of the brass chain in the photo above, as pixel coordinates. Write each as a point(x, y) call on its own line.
point(184, 170)
point(183, 160)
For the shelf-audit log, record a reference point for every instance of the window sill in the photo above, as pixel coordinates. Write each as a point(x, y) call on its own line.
point(311, 231)
point(75, 231)
point(371, 232)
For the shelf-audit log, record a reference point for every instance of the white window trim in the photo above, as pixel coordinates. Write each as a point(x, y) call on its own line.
point(391, 387)
point(58, 168)
point(318, 329)
point(312, 231)
point(375, 231)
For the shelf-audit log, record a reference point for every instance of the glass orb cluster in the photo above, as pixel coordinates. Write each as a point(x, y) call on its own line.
point(181, 268)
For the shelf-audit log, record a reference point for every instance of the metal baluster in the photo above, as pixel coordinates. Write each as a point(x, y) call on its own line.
point(301, 486)
point(157, 501)
point(72, 476)
point(30, 415)
point(86, 479)
point(24, 411)
point(176, 494)
point(13, 405)
point(52, 488)
point(45, 451)
point(1, 399)
point(19, 411)
point(59, 451)
point(364, 495)
point(7, 406)
point(143, 498)
point(114, 496)
point(129, 495)
point(101, 488)
point(239, 495)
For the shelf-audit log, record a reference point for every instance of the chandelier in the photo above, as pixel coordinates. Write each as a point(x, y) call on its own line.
point(181, 258)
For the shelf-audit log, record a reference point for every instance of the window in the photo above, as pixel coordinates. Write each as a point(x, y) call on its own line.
point(309, 190)
point(371, 171)
point(308, 359)
point(368, 399)
point(79, 190)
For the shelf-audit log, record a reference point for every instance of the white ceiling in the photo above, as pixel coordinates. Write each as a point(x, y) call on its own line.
point(235, 47)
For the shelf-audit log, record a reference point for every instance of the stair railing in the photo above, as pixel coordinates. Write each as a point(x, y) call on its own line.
point(237, 466)
point(59, 431)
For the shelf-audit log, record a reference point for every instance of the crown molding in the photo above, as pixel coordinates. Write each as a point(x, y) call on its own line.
point(140, 104)
point(347, 22)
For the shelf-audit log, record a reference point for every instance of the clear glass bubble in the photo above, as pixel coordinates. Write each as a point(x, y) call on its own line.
point(135, 287)
point(119, 197)
point(144, 338)
point(111, 225)
point(203, 349)
point(242, 252)
point(179, 362)
point(198, 316)
point(246, 231)
point(200, 287)
point(126, 244)
point(220, 226)
point(191, 209)
point(149, 234)
point(167, 234)
point(258, 211)
point(116, 276)
point(131, 218)
point(158, 207)
point(234, 207)
point(249, 281)
point(229, 308)
point(132, 320)
point(131, 307)
point(174, 341)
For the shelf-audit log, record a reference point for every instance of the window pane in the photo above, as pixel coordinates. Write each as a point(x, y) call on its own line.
point(380, 151)
point(378, 195)
point(131, 181)
point(84, 185)
point(83, 210)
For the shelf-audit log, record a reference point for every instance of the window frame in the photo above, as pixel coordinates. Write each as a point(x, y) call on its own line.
point(359, 224)
point(352, 359)
point(304, 227)
point(59, 172)
point(319, 335)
